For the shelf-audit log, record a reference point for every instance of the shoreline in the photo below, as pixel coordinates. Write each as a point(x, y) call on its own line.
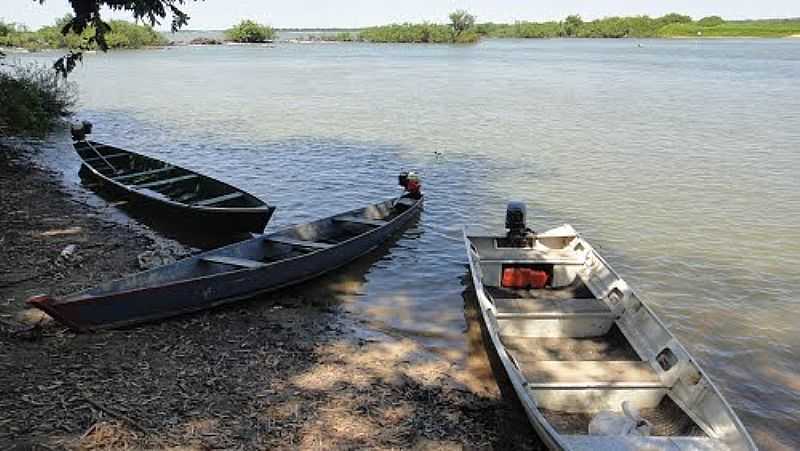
point(281, 371)
point(23, 50)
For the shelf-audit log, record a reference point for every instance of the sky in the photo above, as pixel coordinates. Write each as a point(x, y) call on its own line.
point(220, 14)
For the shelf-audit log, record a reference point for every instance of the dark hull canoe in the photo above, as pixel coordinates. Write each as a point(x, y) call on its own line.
point(170, 192)
point(238, 271)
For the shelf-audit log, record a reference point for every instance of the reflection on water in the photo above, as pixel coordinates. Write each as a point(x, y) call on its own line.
point(677, 159)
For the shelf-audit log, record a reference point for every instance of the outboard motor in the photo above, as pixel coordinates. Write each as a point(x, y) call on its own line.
point(522, 276)
point(80, 130)
point(518, 232)
point(412, 184)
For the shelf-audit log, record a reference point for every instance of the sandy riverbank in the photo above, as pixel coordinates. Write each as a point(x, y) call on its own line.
point(278, 372)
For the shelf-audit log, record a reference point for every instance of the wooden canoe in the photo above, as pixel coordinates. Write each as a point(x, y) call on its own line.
point(585, 343)
point(238, 271)
point(171, 191)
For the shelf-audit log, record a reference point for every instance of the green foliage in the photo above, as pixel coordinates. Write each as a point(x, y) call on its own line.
point(641, 27)
point(521, 29)
point(121, 34)
point(710, 21)
point(461, 30)
point(674, 18)
point(34, 97)
point(151, 12)
point(467, 37)
point(751, 28)
point(571, 25)
point(7, 28)
point(408, 33)
point(345, 36)
point(126, 35)
point(249, 31)
point(461, 21)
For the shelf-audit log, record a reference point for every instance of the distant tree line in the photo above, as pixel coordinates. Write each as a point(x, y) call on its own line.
point(574, 27)
point(460, 30)
point(120, 34)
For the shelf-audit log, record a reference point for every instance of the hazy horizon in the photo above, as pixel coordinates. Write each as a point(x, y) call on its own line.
point(310, 14)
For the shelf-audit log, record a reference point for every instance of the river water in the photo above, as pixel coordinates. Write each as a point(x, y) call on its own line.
point(677, 158)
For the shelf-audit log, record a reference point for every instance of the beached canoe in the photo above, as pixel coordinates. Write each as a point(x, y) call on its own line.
point(170, 191)
point(575, 340)
point(238, 271)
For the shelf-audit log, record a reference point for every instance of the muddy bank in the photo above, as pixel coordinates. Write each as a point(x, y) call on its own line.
point(276, 372)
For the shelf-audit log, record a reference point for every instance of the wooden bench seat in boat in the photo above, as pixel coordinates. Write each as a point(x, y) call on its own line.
point(107, 157)
point(143, 173)
point(168, 181)
point(218, 199)
point(86, 146)
point(591, 386)
point(234, 261)
point(358, 220)
point(303, 243)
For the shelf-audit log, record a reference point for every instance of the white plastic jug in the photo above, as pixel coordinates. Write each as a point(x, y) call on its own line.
point(629, 422)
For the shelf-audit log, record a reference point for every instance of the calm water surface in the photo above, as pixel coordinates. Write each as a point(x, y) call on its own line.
point(678, 159)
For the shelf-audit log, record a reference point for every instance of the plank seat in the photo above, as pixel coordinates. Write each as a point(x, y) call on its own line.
point(85, 145)
point(167, 181)
point(234, 261)
point(218, 199)
point(143, 173)
point(113, 155)
point(358, 220)
point(540, 258)
point(303, 243)
point(548, 308)
point(544, 374)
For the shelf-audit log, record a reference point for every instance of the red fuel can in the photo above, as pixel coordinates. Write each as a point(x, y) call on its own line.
point(521, 277)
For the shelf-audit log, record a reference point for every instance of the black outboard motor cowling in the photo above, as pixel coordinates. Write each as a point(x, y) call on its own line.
point(516, 218)
point(518, 232)
point(412, 184)
point(402, 179)
point(80, 130)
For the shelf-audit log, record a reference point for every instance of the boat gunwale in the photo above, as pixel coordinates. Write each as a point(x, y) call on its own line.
point(544, 429)
point(264, 207)
point(737, 422)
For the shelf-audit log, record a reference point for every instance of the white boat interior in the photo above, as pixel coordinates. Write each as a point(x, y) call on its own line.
point(582, 342)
